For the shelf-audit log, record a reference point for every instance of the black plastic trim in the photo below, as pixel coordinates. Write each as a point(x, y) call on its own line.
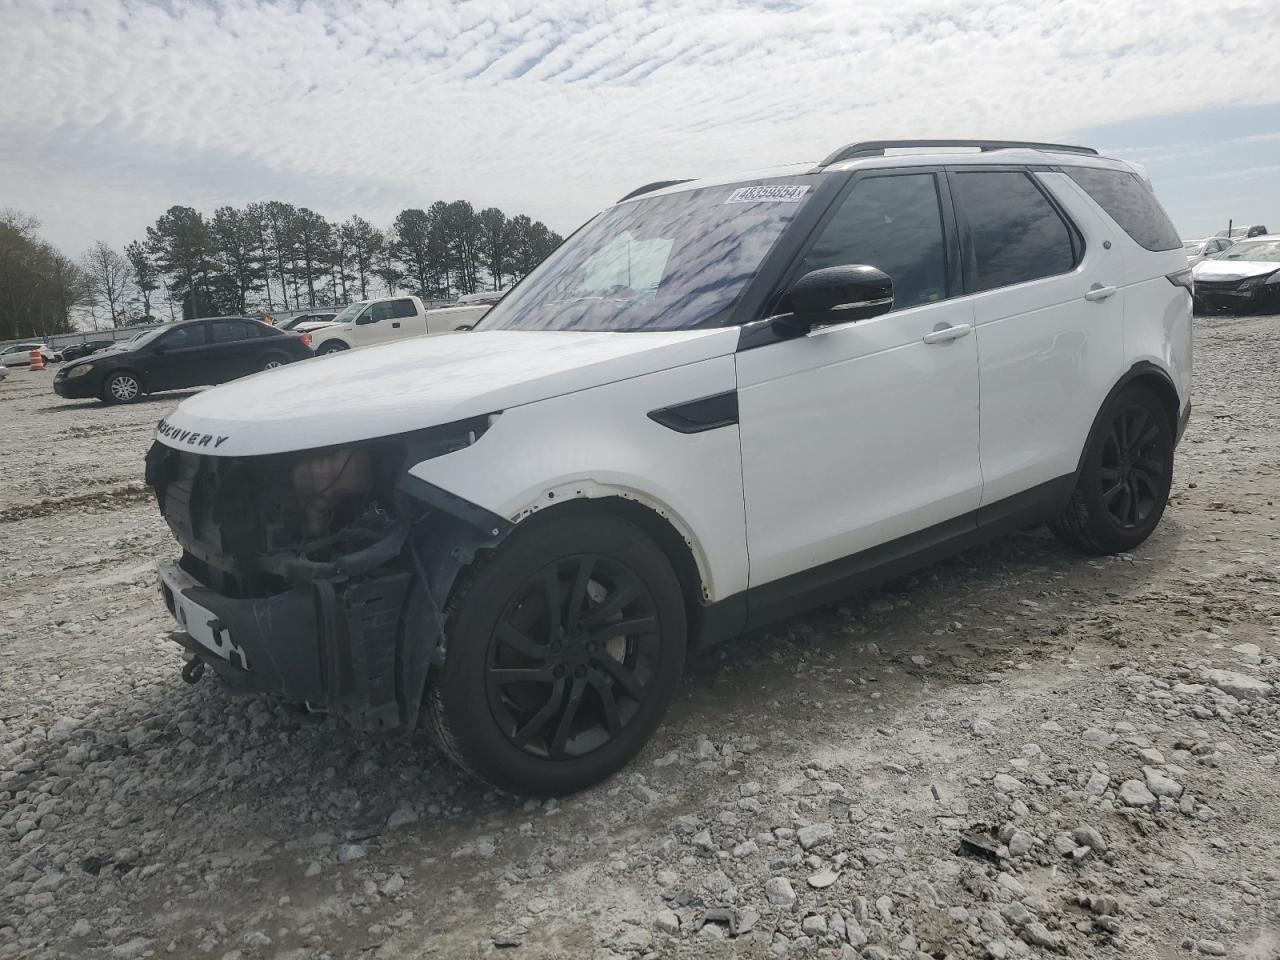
point(695, 416)
point(656, 185)
point(446, 502)
point(840, 578)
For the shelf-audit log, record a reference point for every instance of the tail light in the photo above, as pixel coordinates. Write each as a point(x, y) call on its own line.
point(1182, 279)
point(306, 337)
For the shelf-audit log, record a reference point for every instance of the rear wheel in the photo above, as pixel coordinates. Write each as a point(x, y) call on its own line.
point(122, 387)
point(564, 652)
point(1124, 484)
point(333, 346)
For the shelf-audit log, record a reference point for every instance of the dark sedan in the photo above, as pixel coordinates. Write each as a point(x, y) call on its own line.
point(193, 353)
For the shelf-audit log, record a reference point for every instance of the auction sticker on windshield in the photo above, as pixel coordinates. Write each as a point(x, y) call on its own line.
point(780, 193)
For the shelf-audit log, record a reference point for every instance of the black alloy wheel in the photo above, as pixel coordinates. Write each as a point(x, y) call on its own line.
point(572, 657)
point(1131, 472)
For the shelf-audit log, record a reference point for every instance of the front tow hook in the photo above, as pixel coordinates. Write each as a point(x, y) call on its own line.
point(193, 670)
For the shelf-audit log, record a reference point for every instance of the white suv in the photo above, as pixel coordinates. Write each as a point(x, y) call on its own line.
point(719, 402)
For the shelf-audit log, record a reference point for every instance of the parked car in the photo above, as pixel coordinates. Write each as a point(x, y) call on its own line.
point(4, 371)
point(1243, 233)
point(77, 350)
point(306, 320)
point(718, 403)
point(177, 355)
point(1197, 250)
point(367, 322)
point(1246, 276)
point(19, 355)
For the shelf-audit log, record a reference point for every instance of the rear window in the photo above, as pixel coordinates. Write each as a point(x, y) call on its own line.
point(1130, 203)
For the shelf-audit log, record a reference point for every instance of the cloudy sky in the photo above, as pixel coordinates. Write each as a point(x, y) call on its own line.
point(112, 110)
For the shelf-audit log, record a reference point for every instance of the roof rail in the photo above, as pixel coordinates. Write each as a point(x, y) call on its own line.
point(650, 187)
point(878, 148)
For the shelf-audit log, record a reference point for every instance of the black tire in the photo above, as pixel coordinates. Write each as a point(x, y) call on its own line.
point(509, 727)
point(116, 388)
point(271, 361)
point(333, 346)
point(1123, 485)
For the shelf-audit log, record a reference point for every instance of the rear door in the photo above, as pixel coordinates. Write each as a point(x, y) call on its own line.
point(1049, 312)
point(234, 350)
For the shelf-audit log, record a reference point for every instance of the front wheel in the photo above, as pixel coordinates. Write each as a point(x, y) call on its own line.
point(1124, 483)
point(333, 346)
point(122, 388)
point(564, 650)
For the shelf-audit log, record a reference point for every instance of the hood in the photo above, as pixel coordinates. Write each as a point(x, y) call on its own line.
point(1233, 269)
point(411, 384)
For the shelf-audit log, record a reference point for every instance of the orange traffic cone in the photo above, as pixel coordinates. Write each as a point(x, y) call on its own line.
point(37, 360)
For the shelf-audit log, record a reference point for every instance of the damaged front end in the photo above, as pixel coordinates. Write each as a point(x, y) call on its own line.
point(319, 576)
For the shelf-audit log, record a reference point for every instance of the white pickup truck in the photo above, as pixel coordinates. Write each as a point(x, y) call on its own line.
point(368, 322)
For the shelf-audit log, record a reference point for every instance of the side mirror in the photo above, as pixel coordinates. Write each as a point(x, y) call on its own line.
point(840, 294)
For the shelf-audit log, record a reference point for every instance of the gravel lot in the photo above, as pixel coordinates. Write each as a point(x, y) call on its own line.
point(1105, 732)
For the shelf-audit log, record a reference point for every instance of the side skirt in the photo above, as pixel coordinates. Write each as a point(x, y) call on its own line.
point(840, 578)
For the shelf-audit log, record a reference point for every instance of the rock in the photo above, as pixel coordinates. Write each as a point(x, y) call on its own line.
point(1005, 783)
point(131, 949)
point(402, 816)
point(80, 928)
point(1134, 793)
point(1011, 883)
point(823, 878)
point(814, 835)
point(1063, 843)
point(392, 885)
point(1098, 783)
point(854, 933)
point(632, 939)
point(667, 921)
point(703, 842)
point(256, 940)
point(1151, 757)
point(1087, 836)
point(1238, 685)
point(1211, 948)
point(1099, 739)
point(982, 728)
point(1160, 785)
point(1037, 934)
point(958, 914)
point(875, 953)
point(347, 852)
point(814, 925)
point(747, 848)
point(778, 891)
point(1020, 843)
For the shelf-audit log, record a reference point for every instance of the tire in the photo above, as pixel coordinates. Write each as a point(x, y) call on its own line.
point(332, 346)
point(592, 690)
point(1123, 485)
point(117, 388)
point(272, 361)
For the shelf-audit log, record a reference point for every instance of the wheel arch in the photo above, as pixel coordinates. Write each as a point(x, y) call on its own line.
point(1146, 374)
point(116, 371)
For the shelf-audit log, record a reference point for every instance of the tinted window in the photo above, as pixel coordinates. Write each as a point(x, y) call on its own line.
point(192, 336)
point(1015, 234)
point(377, 312)
point(402, 308)
point(227, 331)
point(895, 224)
point(1130, 203)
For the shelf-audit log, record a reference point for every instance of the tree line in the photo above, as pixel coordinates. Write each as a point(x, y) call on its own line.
point(261, 257)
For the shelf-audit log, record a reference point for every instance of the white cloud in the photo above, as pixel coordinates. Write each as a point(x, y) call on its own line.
point(114, 109)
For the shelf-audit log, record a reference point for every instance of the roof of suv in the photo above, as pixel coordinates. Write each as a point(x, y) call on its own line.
point(900, 153)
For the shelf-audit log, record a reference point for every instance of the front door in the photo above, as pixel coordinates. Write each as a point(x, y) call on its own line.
point(177, 358)
point(862, 433)
point(381, 322)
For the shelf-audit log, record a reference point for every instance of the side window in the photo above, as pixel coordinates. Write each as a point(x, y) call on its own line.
point(402, 308)
point(1130, 203)
point(229, 331)
point(191, 336)
point(893, 223)
point(377, 312)
point(1014, 232)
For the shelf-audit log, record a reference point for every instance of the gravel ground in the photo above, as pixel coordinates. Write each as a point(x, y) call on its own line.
point(1019, 752)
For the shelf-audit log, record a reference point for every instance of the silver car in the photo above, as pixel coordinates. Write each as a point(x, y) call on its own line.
point(1197, 250)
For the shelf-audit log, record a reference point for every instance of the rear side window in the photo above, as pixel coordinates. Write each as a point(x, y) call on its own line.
point(1130, 203)
point(402, 308)
point(893, 223)
point(229, 331)
point(1014, 233)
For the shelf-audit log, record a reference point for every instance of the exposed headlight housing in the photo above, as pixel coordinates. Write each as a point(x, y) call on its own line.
point(79, 371)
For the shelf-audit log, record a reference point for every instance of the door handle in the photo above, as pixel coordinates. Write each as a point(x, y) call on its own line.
point(945, 333)
point(396, 325)
point(1098, 293)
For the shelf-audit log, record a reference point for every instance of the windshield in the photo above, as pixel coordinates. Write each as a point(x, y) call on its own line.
point(1264, 250)
point(671, 262)
point(143, 339)
point(349, 313)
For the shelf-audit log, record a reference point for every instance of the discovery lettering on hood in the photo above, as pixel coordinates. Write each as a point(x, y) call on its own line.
point(190, 437)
